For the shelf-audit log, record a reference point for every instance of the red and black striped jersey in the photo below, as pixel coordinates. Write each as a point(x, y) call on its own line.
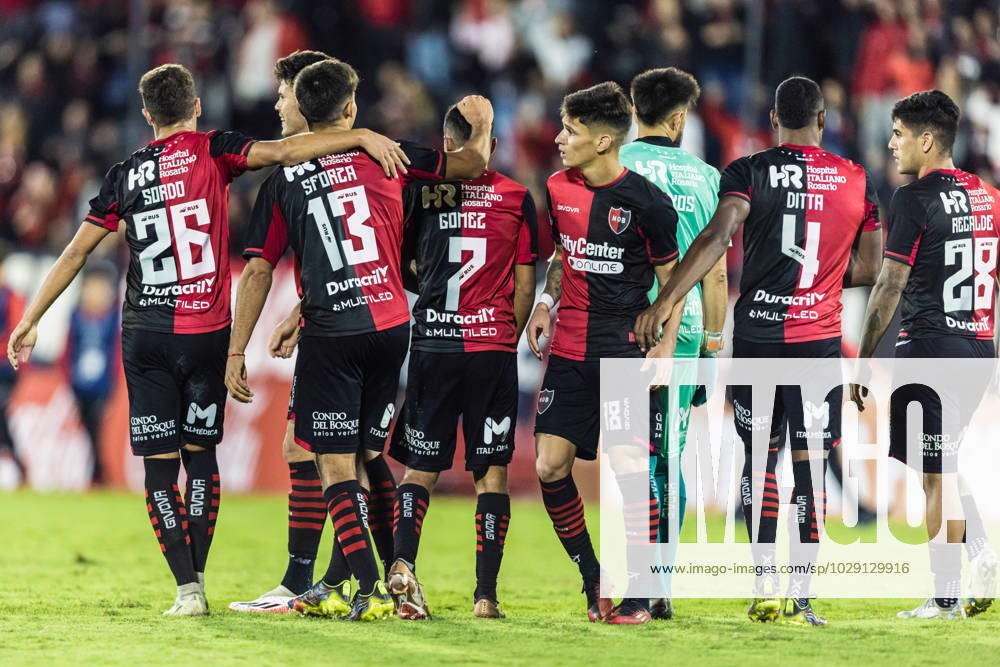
point(466, 238)
point(807, 209)
point(173, 196)
point(944, 226)
point(344, 220)
point(611, 237)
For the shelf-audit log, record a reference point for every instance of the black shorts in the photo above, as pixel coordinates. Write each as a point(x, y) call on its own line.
point(939, 449)
point(481, 387)
point(789, 413)
point(569, 406)
point(344, 390)
point(176, 389)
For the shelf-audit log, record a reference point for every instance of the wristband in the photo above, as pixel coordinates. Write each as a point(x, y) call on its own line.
point(236, 354)
point(547, 300)
point(712, 343)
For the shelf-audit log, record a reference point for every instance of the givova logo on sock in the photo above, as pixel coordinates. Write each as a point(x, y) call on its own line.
point(495, 428)
point(162, 502)
point(196, 503)
point(489, 525)
point(363, 509)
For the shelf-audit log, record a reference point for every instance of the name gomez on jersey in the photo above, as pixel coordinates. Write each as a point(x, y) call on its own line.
point(173, 196)
point(807, 209)
point(611, 237)
point(944, 226)
point(467, 237)
point(344, 220)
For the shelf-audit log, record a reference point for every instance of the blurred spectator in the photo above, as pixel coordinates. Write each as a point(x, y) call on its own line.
point(91, 352)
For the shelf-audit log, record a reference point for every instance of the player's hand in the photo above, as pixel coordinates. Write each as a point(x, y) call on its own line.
point(284, 338)
point(859, 393)
point(649, 324)
point(540, 323)
point(661, 369)
point(385, 151)
point(22, 340)
point(236, 379)
point(477, 110)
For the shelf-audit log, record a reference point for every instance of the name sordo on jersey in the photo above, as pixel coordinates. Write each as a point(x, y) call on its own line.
point(462, 220)
point(327, 177)
point(484, 315)
point(162, 192)
point(377, 278)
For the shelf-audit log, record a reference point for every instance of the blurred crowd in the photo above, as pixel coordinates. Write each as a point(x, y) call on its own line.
point(68, 106)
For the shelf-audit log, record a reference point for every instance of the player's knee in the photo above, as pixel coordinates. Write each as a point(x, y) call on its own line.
point(194, 448)
point(168, 455)
point(490, 480)
point(420, 478)
point(549, 470)
point(291, 450)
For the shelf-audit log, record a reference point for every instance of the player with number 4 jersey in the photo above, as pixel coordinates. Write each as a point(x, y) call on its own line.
point(810, 227)
point(172, 197)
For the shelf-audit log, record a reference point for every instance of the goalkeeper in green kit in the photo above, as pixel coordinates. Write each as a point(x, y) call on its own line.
point(661, 99)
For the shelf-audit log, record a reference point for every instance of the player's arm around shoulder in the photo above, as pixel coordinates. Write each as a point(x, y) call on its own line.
point(471, 159)
point(311, 145)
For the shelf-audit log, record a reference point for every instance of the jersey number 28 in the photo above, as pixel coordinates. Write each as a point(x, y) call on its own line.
point(977, 256)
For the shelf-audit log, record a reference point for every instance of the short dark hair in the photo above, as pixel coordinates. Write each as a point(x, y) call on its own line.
point(658, 92)
point(603, 104)
point(930, 110)
point(455, 125)
point(322, 89)
point(287, 68)
point(797, 102)
point(168, 93)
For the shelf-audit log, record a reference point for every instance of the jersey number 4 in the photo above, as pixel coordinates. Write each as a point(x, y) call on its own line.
point(808, 257)
point(977, 256)
point(339, 251)
point(186, 239)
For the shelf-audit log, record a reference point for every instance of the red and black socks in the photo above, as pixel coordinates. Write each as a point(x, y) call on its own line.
point(348, 510)
point(169, 517)
point(306, 517)
point(202, 495)
point(810, 507)
point(565, 508)
point(492, 520)
point(381, 507)
point(408, 520)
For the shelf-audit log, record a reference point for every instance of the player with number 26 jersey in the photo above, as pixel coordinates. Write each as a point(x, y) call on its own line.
point(173, 196)
point(944, 226)
point(807, 209)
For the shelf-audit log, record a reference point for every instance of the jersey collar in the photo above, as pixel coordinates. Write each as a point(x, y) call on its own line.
point(157, 142)
point(801, 148)
point(659, 140)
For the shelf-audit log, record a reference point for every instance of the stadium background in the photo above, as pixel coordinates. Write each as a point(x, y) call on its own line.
point(69, 109)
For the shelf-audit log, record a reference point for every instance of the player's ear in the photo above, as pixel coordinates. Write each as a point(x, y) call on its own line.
point(604, 142)
point(774, 119)
point(926, 141)
point(197, 107)
point(351, 108)
point(821, 119)
point(493, 145)
point(149, 119)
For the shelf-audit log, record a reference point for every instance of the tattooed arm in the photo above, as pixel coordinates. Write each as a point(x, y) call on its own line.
point(882, 304)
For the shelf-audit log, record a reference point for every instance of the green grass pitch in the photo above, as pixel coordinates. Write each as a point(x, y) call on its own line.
point(82, 581)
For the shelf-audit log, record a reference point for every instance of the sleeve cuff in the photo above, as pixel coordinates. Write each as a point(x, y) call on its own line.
point(904, 259)
point(736, 193)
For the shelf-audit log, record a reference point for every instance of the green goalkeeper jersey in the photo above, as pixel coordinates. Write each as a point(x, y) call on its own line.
point(694, 188)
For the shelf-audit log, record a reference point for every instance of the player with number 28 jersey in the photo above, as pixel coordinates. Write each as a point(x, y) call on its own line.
point(944, 226)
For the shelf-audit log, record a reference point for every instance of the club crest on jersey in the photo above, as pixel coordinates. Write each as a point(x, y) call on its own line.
point(545, 399)
point(619, 219)
point(442, 194)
